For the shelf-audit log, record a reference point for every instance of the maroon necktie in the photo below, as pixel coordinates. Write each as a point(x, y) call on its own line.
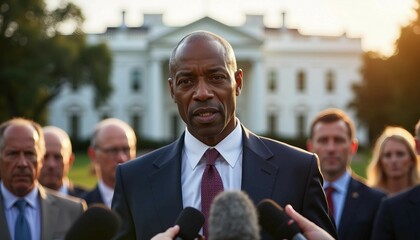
point(329, 192)
point(211, 185)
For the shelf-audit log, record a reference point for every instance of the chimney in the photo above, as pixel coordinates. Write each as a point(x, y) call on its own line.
point(283, 26)
point(123, 25)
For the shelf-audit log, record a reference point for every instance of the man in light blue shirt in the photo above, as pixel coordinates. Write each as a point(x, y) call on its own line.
point(43, 214)
point(352, 204)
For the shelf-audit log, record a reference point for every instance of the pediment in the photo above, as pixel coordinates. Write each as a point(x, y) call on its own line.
point(236, 37)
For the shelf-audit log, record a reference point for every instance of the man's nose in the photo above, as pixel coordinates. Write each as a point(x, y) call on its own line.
point(202, 91)
point(22, 160)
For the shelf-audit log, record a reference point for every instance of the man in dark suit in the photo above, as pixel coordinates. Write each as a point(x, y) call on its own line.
point(113, 142)
point(57, 162)
point(27, 210)
point(398, 216)
point(352, 204)
point(204, 82)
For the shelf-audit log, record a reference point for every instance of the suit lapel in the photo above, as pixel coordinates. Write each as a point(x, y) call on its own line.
point(258, 173)
point(4, 229)
point(49, 214)
point(350, 204)
point(166, 183)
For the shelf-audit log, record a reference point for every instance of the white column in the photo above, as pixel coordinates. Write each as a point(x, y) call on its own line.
point(257, 112)
point(155, 118)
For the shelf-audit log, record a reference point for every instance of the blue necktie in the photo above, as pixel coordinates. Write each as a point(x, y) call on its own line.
point(22, 231)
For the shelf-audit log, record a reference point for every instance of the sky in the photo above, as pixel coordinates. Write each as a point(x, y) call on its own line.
point(376, 22)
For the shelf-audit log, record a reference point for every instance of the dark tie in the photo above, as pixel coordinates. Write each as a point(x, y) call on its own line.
point(211, 185)
point(22, 231)
point(329, 192)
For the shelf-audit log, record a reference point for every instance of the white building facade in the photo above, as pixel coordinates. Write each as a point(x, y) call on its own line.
point(288, 78)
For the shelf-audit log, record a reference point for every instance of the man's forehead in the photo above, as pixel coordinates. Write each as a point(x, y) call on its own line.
point(337, 125)
point(18, 131)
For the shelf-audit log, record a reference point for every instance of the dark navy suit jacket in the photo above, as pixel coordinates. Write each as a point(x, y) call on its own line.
point(360, 207)
point(94, 196)
point(76, 191)
point(399, 217)
point(148, 192)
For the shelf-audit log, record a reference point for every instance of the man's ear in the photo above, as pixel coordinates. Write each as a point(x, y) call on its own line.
point(91, 153)
point(239, 81)
point(71, 160)
point(171, 89)
point(354, 146)
point(309, 146)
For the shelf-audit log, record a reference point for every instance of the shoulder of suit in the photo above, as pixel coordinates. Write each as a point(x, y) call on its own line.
point(67, 200)
point(360, 185)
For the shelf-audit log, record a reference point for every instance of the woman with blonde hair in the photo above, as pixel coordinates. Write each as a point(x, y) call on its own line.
point(394, 166)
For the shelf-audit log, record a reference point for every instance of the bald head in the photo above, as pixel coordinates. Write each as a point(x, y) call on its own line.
point(113, 142)
point(203, 35)
point(21, 150)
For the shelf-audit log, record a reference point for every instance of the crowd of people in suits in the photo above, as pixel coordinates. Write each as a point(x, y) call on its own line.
point(327, 199)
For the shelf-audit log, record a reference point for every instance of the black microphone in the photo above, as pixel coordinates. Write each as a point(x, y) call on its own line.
point(233, 216)
point(275, 221)
point(98, 222)
point(190, 221)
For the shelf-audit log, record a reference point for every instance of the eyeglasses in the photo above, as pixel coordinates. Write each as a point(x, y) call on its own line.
point(114, 151)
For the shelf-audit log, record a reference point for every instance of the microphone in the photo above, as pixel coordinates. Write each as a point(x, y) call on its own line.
point(190, 221)
point(275, 221)
point(98, 222)
point(233, 216)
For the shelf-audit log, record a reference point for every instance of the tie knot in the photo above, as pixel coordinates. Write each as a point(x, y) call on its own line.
point(211, 156)
point(330, 189)
point(21, 204)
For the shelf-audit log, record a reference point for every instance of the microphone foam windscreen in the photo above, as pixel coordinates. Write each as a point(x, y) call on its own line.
point(274, 220)
point(233, 216)
point(98, 222)
point(190, 221)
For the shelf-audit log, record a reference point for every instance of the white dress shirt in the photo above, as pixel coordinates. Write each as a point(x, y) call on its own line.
point(228, 164)
point(106, 192)
point(339, 195)
point(32, 211)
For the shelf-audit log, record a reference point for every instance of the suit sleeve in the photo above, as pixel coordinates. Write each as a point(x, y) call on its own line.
point(315, 205)
point(382, 227)
point(120, 206)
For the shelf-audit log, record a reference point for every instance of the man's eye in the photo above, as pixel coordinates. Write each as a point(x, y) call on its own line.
point(12, 153)
point(185, 81)
point(217, 77)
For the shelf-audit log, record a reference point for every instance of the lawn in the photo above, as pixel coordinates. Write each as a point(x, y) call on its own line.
point(81, 173)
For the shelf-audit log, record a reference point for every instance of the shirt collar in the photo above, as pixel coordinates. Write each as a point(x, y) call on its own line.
point(229, 148)
point(65, 187)
point(10, 199)
point(340, 185)
point(106, 191)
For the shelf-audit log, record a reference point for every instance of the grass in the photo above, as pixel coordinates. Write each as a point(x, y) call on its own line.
point(81, 173)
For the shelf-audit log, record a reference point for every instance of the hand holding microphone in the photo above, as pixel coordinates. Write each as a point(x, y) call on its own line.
point(309, 229)
point(190, 221)
point(281, 226)
point(169, 234)
point(274, 221)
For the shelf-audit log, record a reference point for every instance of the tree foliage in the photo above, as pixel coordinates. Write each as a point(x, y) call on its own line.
point(389, 93)
point(37, 59)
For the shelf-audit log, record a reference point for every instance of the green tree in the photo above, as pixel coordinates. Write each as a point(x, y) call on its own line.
point(389, 93)
point(37, 59)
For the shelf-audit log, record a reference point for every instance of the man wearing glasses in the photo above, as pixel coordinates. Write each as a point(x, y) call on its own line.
point(113, 142)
